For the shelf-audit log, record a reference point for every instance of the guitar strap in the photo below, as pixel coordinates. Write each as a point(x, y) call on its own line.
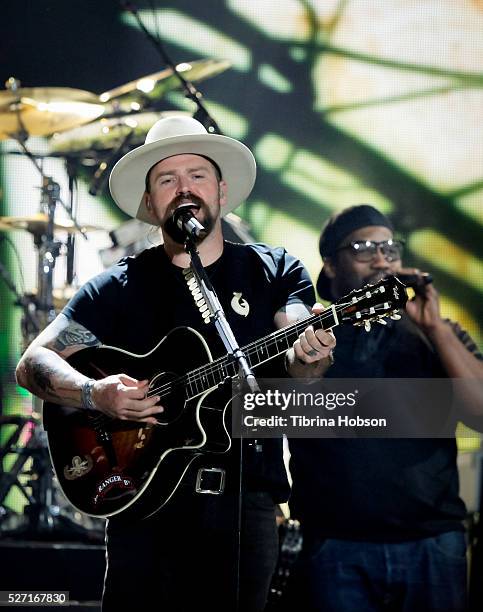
point(197, 294)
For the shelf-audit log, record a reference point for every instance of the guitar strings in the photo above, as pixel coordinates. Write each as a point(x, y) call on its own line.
point(216, 367)
point(202, 372)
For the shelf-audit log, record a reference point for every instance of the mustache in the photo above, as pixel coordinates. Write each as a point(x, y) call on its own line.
point(183, 199)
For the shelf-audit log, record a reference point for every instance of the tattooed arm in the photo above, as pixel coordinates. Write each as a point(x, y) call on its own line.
point(44, 371)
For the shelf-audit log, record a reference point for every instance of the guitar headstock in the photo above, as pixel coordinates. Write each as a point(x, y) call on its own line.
point(373, 303)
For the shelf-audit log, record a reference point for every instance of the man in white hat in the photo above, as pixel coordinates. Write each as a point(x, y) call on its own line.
point(189, 552)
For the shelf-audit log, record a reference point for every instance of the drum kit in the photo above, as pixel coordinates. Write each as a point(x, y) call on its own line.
point(94, 130)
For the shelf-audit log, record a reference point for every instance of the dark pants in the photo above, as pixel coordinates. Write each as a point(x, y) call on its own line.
point(427, 575)
point(186, 557)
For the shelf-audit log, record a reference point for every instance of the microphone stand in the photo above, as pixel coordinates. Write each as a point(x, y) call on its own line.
point(245, 373)
point(192, 93)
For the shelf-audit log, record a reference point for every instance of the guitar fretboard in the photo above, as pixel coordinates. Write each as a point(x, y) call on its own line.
point(372, 302)
point(208, 376)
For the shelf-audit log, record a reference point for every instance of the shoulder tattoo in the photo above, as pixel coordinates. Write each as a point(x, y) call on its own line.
point(74, 335)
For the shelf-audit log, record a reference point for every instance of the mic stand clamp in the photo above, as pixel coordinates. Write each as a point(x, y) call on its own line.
point(49, 250)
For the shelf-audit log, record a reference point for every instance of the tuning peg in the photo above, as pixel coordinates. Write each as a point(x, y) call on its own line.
point(381, 321)
point(367, 326)
point(395, 316)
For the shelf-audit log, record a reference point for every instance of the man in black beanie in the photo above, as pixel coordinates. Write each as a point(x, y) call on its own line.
point(381, 518)
point(341, 226)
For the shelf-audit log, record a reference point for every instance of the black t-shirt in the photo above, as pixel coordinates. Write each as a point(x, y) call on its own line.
point(135, 303)
point(378, 489)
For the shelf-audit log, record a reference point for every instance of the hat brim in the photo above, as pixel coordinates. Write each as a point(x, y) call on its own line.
point(236, 161)
point(323, 286)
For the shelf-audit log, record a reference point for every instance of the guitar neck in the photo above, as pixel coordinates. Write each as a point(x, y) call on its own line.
point(206, 377)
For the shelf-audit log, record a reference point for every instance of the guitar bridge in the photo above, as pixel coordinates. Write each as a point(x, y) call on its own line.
point(210, 481)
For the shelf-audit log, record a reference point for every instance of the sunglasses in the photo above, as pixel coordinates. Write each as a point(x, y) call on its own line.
point(366, 250)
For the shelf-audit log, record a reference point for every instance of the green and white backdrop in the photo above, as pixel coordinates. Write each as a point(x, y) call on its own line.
point(341, 101)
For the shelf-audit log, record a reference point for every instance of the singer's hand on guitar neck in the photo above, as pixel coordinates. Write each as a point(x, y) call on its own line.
point(123, 397)
point(311, 353)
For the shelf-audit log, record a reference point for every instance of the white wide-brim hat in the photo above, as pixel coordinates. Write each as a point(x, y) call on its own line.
point(177, 135)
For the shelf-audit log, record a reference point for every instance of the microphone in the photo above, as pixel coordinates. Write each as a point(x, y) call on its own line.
point(416, 282)
point(185, 221)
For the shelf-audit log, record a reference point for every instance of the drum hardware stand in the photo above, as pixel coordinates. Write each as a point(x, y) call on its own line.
point(191, 91)
point(48, 248)
point(29, 323)
point(103, 169)
point(71, 168)
point(10, 478)
point(44, 518)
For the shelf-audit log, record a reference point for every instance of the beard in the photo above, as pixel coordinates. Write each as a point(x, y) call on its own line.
point(205, 217)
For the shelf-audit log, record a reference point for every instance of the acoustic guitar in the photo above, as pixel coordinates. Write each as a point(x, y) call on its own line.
point(104, 466)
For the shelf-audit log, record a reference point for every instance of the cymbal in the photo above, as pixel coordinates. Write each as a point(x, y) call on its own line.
point(37, 224)
point(106, 134)
point(42, 111)
point(154, 86)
